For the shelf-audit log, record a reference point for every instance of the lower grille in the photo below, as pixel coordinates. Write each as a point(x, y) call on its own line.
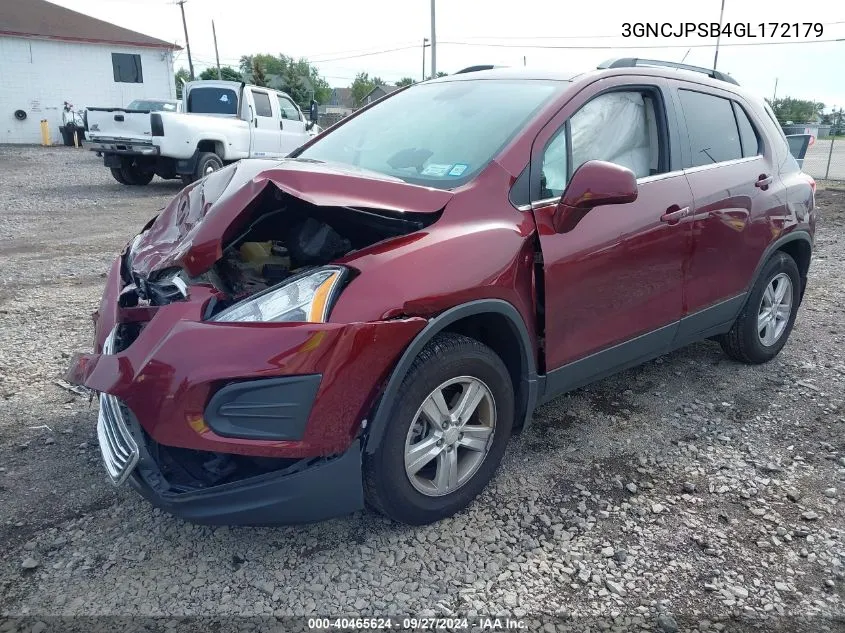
point(119, 449)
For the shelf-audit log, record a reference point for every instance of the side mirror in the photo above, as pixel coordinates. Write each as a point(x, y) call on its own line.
point(314, 115)
point(594, 184)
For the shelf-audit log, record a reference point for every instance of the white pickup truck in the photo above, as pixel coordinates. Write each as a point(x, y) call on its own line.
point(220, 122)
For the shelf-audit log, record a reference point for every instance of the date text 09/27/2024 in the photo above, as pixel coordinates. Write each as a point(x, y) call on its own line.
point(728, 29)
point(417, 624)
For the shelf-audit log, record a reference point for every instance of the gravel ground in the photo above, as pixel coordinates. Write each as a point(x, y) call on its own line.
point(691, 493)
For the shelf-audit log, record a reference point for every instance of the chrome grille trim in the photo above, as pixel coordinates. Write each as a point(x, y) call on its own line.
point(118, 447)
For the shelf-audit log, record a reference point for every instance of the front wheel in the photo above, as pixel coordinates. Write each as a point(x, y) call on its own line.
point(450, 424)
point(764, 325)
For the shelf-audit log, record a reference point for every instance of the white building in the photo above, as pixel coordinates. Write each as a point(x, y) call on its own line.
point(49, 55)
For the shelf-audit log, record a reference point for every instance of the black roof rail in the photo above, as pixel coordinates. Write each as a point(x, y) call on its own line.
point(472, 69)
point(632, 62)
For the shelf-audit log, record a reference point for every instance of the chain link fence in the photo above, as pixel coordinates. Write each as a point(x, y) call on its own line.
point(825, 158)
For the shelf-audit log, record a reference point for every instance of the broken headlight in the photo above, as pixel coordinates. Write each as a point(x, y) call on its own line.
point(306, 297)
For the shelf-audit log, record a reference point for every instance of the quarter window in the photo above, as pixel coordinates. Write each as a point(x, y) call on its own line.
point(127, 68)
point(712, 128)
point(618, 127)
point(747, 134)
point(262, 103)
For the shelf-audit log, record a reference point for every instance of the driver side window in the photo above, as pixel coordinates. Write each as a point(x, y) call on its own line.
point(619, 127)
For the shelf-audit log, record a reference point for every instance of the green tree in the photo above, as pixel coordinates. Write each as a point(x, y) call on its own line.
point(796, 110)
point(299, 78)
point(361, 87)
point(181, 75)
point(405, 81)
point(258, 76)
point(440, 73)
point(227, 73)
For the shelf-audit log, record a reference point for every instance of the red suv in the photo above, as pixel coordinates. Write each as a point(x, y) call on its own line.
point(370, 318)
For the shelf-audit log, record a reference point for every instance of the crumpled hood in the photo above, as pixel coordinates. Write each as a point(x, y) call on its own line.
point(192, 230)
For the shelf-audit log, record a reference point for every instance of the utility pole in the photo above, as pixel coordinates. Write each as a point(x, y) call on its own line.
point(433, 44)
point(216, 54)
point(425, 45)
point(181, 4)
point(719, 37)
point(524, 60)
point(775, 93)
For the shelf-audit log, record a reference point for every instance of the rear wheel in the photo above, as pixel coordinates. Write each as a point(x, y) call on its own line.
point(207, 163)
point(134, 175)
point(764, 325)
point(450, 424)
point(117, 174)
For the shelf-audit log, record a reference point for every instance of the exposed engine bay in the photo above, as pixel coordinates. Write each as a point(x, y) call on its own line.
point(287, 235)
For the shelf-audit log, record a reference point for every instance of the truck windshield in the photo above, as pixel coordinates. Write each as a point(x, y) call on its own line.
point(152, 106)
point(212, 100)
point(435, 134)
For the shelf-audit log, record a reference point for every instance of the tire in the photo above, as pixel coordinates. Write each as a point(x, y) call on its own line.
point(135, 176)
point(414, 498)
point(207, 162)
point(746, 342)
point(117, 174)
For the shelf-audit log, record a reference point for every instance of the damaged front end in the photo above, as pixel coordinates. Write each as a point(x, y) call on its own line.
point(216, 357)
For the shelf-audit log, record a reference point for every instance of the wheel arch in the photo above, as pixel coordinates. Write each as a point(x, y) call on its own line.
point(216, 146)
point(511, 341)
point(797, 244)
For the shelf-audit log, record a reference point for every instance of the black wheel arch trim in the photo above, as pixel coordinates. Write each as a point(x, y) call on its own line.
point(527, 393)
point(797, 234)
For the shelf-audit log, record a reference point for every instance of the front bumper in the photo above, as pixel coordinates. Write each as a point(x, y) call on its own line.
point(325, 489)
point(169, 375)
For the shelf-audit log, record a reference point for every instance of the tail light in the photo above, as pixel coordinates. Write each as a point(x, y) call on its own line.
point(812, 183)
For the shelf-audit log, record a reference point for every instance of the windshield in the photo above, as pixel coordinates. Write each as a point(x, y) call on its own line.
point(438, 134)
point(213, 101)
point(152, 106)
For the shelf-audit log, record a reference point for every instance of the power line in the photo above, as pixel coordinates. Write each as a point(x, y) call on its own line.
point(640, 46)
point(388, 50)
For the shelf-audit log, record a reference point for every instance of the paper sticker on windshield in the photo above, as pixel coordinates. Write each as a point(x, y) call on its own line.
point(458, 169)
point(436, 170)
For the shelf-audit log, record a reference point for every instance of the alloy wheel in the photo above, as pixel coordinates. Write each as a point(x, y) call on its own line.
point(450, 436)
point(775, 309)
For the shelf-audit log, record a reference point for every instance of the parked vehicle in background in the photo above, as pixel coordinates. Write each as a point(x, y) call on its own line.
point(220, 122)
point(372, 316)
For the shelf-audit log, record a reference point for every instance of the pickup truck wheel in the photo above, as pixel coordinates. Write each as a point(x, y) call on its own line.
point(208, 162)
point(764, 325)
point(135, 176)
point(451, 421)
point(117, 174)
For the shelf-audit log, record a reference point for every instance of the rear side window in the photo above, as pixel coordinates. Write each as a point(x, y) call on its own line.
point(262, 103)
point(212, 101)
point(713, 132)
point(747, 133)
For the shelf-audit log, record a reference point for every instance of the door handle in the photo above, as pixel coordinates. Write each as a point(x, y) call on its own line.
point(763, 181)
point(281, 125)
point(674, 214)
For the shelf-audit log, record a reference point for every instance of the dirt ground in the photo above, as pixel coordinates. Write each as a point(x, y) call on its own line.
point(691, 493)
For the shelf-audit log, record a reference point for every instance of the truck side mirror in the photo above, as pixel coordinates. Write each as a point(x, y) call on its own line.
point(314, 115)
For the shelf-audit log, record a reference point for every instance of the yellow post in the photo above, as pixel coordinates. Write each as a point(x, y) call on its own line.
point(45, 132)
